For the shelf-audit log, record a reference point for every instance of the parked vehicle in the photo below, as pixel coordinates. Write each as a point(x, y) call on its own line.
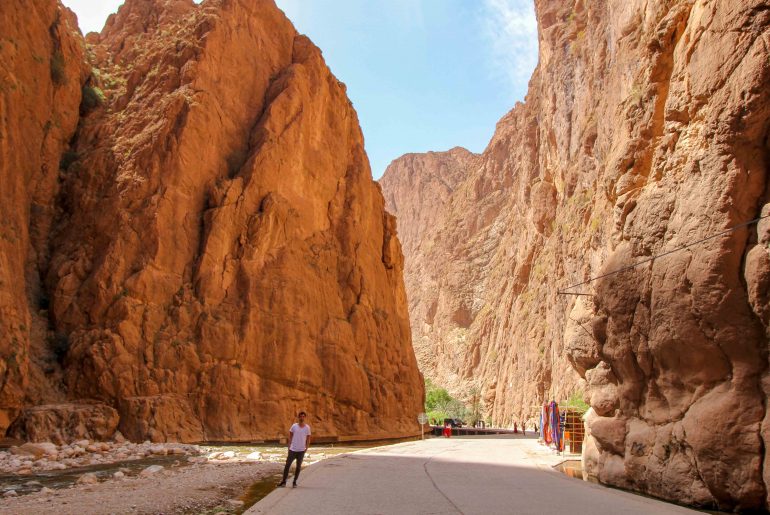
point(454, 422)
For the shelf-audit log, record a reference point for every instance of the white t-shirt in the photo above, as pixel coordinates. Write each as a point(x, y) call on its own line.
point(299, 437)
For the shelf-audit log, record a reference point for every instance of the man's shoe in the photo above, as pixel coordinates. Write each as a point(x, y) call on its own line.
point(281, 484)
point(294, 485)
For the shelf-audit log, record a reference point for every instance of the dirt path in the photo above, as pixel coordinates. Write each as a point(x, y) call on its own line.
point(197, 488)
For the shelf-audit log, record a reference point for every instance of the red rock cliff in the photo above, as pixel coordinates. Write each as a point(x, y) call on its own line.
point(222, 257)
point(645, 128)
point(41, 73)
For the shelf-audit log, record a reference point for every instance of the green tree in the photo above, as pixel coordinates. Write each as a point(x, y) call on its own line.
point(440, 405)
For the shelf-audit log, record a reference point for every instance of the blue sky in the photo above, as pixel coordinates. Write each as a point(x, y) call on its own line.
point(422, 74)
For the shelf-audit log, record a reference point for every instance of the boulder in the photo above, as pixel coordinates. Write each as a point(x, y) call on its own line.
point(61, 423)
point(88, 478)
point(151, 470)
point(40, 449)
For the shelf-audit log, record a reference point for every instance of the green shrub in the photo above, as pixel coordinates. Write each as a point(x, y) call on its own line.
point(93, 97)
point(576, 401)
point(440, 405)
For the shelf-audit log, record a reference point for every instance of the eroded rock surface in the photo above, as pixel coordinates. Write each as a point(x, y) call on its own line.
point(221, 257)
point(645, 128)
point(41, 72)
point(65, 423)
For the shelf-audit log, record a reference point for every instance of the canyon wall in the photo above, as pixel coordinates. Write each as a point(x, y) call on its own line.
point(42, 68)
point(645, 128)
point(220, 256)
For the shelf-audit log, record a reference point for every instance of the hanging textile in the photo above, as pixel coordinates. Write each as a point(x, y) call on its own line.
point(554, 425)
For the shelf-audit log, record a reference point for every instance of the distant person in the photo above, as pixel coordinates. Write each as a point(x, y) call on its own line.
point(299, 441)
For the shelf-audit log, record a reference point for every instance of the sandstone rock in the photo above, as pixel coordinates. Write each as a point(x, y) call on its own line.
point(118, 475)
point(10, 493)
point(151, 470)
point(642, 131)
point(158, 449)
point(40, 449)
point(217, 230)
point(610, 434)
point(65, 422)
point(254, 456)
point(89, 478)
point(21, 451)
point(45, 491)
point(41, 73)
point(160, 418)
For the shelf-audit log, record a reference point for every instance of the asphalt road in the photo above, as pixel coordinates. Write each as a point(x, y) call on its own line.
point(467, 475)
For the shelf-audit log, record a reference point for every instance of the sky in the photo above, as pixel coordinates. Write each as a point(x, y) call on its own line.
point(422, 74)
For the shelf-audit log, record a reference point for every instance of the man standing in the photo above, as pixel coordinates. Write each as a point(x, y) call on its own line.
point(299, 440)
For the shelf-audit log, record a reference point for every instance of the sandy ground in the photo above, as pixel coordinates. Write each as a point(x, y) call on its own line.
point(198, 488)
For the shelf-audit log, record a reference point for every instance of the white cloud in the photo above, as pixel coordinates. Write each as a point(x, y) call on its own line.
point(511, 29)
point(92, 14)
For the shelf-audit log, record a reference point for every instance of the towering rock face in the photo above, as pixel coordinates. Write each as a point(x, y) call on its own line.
point(41, 72)
point(419, 187)
point(645, 129)
point(222, 257)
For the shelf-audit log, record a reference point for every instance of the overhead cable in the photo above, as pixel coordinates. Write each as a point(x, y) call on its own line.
point(647, 260)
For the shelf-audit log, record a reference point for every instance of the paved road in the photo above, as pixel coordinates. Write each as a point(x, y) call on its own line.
point(467, 475)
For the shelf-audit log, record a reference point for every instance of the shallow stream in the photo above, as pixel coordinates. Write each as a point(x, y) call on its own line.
point(25, 484)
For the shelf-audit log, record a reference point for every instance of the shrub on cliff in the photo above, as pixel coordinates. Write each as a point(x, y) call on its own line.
point(93, 97)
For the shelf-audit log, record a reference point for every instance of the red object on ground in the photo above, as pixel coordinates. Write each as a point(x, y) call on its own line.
point(447, 431)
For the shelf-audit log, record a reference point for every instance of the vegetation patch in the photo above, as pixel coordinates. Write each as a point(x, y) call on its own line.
point(440, 405)
point(93, 97)
point(576, 401)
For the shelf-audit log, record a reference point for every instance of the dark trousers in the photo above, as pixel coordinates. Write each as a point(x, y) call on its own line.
point(293, 455)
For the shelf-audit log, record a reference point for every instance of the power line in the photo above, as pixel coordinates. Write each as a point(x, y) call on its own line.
point(647, 260)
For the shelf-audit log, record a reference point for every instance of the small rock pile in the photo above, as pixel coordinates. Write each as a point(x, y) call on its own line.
point(31, 457)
